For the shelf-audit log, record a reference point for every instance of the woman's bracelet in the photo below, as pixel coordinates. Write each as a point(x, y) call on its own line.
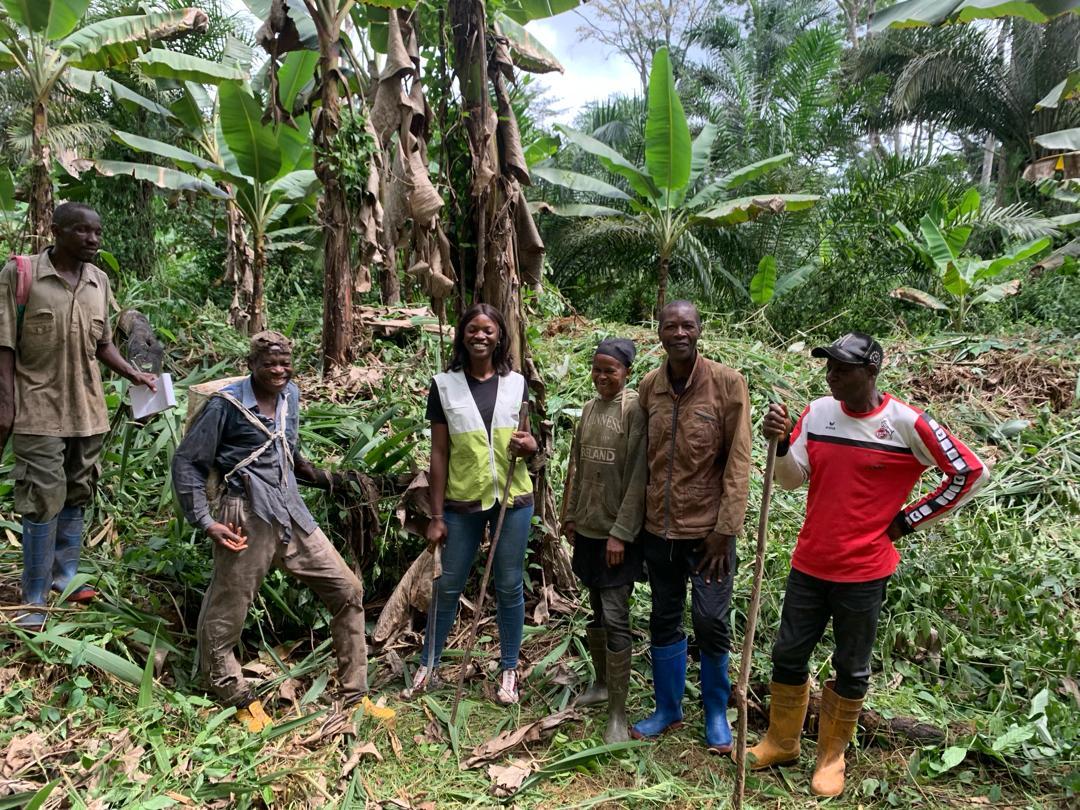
point(436, 517)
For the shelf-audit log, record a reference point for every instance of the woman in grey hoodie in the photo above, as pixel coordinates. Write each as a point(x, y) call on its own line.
point(604, 512)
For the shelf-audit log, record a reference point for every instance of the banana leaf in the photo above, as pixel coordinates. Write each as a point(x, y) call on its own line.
point(667, 134)
point(160, 176)
point(161, 64)
point(579, 182)
point(253, 144)
point(118, 40)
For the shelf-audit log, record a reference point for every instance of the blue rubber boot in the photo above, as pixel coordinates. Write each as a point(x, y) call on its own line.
point(69, 531)
point(669, 682)
point(715, 691)
point(39, 547)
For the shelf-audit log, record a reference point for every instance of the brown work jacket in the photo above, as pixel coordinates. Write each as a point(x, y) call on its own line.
point(698, 451)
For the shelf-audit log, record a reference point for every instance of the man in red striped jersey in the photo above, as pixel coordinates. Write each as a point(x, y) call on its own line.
point(862, 452)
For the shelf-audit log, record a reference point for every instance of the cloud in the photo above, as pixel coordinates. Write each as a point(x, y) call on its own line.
point(593, 71)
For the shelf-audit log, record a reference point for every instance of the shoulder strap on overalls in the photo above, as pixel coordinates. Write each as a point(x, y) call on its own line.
point(271, 436)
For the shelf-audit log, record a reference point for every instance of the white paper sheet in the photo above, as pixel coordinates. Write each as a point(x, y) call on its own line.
point(144, 403)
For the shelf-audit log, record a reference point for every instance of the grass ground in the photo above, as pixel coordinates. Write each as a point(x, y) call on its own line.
point(980, 634)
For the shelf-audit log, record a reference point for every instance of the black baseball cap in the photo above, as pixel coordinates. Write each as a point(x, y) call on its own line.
point(856, 348)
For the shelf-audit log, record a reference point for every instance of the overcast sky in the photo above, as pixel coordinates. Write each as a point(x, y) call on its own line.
point(593, 71)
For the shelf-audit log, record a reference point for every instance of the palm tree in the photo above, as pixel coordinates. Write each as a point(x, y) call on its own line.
point(979, 82)
point(39, 39)
point(773, 82)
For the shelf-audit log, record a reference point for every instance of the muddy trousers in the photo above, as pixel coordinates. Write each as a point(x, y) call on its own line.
point(236, 579)
point(611, 612)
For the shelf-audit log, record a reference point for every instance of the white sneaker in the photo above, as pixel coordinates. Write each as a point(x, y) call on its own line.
point(425, 679)
point(507, 693)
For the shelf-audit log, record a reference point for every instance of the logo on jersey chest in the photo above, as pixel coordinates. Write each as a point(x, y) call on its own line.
point(885, 430)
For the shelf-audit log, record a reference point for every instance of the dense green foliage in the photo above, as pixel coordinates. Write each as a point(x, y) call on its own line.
point(913, 144)
point(979, 631)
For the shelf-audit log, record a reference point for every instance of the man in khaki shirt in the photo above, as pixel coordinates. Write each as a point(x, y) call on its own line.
point(698, 423)
point(51, 399)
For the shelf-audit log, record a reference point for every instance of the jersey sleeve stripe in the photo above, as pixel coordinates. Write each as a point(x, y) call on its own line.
point(964, 474)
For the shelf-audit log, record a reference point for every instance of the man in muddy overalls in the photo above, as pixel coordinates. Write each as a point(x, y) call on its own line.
point(248, 432)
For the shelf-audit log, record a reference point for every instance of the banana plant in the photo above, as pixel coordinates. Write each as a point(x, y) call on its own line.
point(262, 171)
point(43, 41)
point(194, 114)
point(967, 280)
point(674, 194)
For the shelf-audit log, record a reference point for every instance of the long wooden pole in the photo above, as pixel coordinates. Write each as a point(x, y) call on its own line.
point(751, 628)
point(523, 422)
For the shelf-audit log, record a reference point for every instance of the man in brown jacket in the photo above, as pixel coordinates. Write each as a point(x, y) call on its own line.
point(698, 415)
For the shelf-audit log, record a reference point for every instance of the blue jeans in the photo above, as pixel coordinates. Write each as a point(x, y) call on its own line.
point(464, 532)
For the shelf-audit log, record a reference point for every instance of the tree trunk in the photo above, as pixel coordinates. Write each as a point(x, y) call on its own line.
point(239, 259)
point(333, 210)
point(661, 286)
point(390, 283)
point(988, 161)
point(41, 192)
point(851, 10)
point(1002, 175)
point(256, 320)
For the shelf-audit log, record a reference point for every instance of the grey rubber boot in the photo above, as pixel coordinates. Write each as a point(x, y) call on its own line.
point(618, 684)
point(69, 529)
point(598, 691)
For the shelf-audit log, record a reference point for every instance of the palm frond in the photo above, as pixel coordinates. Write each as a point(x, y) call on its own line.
point(1018, 221)
point(806, 83)
point(692, 254)
point(600, 251)
point(83, 137)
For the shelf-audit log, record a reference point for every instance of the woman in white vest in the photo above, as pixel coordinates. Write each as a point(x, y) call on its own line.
point(473, 408)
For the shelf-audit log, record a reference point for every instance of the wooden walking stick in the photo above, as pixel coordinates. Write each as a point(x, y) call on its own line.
point(523, 422)
point(751, 628)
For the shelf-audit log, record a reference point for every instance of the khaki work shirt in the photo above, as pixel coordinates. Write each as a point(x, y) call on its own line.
point(698, 451)
point(58, 388)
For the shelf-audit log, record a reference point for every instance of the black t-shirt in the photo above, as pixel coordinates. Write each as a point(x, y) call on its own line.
point(484, 394)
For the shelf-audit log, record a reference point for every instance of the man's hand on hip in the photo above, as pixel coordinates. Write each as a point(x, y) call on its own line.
point(228, 535)
point(714, 562)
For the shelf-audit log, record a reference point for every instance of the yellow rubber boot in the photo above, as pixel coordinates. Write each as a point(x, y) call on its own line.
point(787, 711)
point(836, 727)
point(253, 717)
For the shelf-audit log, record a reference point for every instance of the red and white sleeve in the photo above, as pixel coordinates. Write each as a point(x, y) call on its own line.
point(964, 473)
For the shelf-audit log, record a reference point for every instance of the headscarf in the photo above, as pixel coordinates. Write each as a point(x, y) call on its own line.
point(622, 349)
